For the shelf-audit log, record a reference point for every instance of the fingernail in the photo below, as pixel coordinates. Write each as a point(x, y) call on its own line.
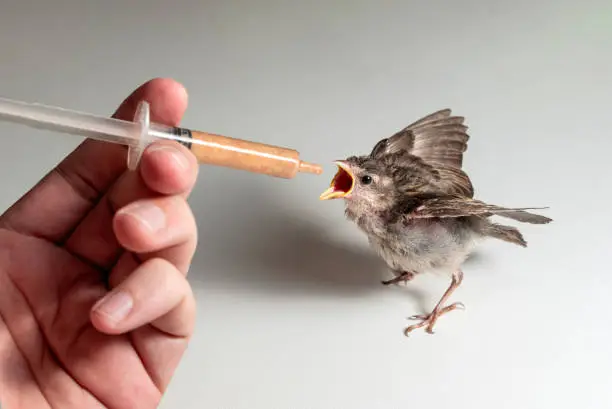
point(149, 215)
point(115, 306)
point(177, 156)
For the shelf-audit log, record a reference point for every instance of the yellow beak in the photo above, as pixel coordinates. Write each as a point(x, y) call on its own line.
point(337, 186)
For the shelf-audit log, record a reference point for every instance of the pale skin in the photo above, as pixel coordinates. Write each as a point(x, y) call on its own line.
point(429, 320)
point(86, 223)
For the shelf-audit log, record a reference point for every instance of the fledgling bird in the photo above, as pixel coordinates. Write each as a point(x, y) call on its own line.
point(416, 205)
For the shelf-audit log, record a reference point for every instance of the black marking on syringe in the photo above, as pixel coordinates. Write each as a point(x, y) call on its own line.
point(182, 133)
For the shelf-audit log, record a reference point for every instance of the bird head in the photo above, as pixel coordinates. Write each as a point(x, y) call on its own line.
point(363, 182)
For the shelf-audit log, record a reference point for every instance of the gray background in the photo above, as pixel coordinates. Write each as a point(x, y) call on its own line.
point(291, 313)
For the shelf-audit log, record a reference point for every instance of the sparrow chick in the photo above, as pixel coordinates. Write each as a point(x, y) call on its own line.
point(416, 205)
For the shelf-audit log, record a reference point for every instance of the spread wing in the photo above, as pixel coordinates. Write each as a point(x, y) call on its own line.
point(453, 180)
point(439, 140)
point(461, 206)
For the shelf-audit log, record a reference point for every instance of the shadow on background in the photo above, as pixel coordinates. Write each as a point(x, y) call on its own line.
point(276, 252)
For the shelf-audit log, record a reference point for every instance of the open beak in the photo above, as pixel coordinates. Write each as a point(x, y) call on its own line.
point(342, 184)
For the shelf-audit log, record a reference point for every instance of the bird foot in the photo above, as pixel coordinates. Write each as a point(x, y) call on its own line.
point(402, 278)
point(429, 320)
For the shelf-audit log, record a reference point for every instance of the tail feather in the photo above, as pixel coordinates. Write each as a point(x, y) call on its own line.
point(505, 233)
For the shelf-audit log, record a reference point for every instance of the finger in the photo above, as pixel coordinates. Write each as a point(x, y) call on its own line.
point(156, 293)
point(168, 168)
point(159, 353)
point(71, 189)
point(163, 227)
point(165, 168)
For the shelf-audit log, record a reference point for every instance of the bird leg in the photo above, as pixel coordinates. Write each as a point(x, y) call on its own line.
point(404, 276)
point(439, 310)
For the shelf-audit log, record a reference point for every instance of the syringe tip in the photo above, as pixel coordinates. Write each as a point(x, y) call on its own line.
point(306, 167)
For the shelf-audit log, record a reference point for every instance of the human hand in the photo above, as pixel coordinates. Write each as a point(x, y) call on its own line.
point(89, 227)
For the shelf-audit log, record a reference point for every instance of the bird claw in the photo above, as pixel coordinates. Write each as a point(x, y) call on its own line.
point(429, 320)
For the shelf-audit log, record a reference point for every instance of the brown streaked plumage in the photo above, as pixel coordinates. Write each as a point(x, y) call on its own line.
point(417, 207)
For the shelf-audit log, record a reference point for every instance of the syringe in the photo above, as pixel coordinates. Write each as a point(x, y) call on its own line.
point(137, 135)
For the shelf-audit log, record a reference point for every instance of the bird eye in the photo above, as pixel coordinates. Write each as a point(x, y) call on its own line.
point(366, 179)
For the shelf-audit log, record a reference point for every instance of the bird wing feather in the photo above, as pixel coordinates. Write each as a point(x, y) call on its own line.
point(453, 181)
point(436, 138)
point(440, 207)
point(439, 140)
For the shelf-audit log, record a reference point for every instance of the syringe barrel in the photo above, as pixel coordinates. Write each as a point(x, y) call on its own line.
point(255, 157)
point(219, 150)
